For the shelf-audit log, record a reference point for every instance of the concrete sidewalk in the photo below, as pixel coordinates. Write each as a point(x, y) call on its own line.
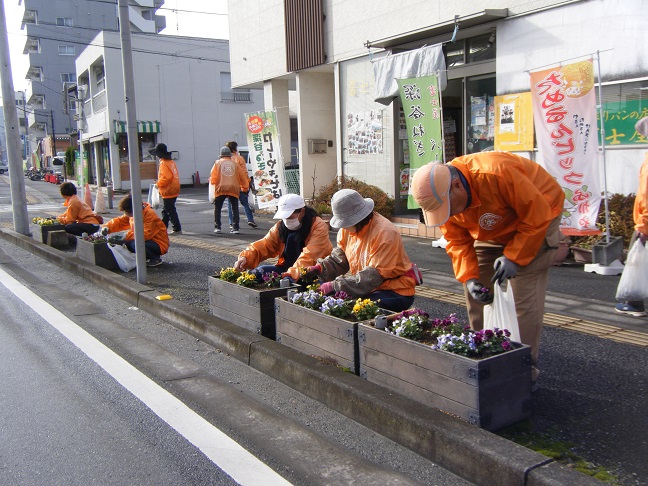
point(472, 453)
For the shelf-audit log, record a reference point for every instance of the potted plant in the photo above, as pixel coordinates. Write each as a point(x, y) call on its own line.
point(321, 326)
point(481, 376)
point(238, 298)
point(42, 226)
point(94, 249)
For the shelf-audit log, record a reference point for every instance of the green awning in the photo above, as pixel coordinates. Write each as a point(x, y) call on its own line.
point(142, 127)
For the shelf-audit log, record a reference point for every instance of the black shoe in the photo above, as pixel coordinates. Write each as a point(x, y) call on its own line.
point(154, 262)
point(253, 224)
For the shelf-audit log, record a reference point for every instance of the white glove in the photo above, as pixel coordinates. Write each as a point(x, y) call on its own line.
point(240, 264)
point(504, 269)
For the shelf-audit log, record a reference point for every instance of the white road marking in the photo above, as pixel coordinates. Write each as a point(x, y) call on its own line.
point(224, 452)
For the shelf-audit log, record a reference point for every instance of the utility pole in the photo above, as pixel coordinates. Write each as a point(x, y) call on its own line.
point(12, 132)
point(133, 141)
point(27, 143)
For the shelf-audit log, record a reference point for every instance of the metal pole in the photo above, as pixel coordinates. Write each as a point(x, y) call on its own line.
point(27, 142)
point(12, 133)
point(133, 142)
point(600, 107)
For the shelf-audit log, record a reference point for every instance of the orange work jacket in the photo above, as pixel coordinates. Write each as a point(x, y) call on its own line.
point(228, 177)
point(640, 212)
point(154, 228)
point(168, 181)
point(513, 201)
point(77, 212)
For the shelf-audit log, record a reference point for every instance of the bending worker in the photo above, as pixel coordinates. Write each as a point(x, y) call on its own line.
point(500, 214)
point(370, 249)
point(299, 239)
point(78, 218)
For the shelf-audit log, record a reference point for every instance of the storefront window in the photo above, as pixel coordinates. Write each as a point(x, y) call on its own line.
point(624, 104)
point(480, 106)
point(146, 143)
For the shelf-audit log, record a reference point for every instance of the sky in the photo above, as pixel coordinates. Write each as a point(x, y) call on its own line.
point(196, 18)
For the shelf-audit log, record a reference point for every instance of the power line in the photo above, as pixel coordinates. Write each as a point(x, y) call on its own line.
point(159, 8)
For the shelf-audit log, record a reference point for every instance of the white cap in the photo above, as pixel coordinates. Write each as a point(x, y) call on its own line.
point(288, 204)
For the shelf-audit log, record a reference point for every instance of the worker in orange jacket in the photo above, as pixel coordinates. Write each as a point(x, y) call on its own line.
point(156, 237)
point(228, 179)
point(78, 218)
point(500, 214)
point(370, 259)
point(168, 183)
point(298, 240)
point(244, 195)
point(640, 216)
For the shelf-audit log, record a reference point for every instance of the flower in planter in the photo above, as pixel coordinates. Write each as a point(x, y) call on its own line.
point(96, 238)
point(337, 306)
point(246, 279)
point(45, 221)
point(228, 274)
point(365, 309)
point(271, 279)
point(476, 344)
point(310, 299)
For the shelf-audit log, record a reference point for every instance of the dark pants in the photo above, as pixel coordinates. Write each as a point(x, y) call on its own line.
point(245, 202)
point(169, 213)
point(78, 229)
point(392, 301)
point(152, 248)
point(218, 206)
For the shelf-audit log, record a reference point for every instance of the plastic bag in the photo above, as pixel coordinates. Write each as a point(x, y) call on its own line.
point(210, 194)
point(124, 258)
point(633, 285)
point(154, 196)
point(251, 200)
point(501, 313)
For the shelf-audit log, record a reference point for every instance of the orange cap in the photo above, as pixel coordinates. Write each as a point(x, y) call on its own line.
point(431, 190)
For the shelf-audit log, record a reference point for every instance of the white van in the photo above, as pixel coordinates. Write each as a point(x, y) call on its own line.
point(245, 153)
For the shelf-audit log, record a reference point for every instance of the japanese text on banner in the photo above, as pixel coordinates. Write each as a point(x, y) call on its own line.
point(564, 111)
point(422, 108)
point(265, 157)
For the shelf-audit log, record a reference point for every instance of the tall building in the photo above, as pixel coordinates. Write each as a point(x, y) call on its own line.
point(57, 31)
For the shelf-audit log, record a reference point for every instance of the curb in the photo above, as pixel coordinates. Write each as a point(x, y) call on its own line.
point(472, 453)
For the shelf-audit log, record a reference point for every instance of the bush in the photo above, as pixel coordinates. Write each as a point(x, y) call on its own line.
point(620, 209)
point(383, 204)
point(69, 162)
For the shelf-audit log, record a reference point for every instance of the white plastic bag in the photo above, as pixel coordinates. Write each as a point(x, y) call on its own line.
point(210, 194)
point(154, 196)
point(124, 258)
point(633, 285)
point(251, 200)
point(501, 313)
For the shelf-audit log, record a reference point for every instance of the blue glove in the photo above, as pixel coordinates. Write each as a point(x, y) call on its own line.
point(478, 291)
point(504, 269)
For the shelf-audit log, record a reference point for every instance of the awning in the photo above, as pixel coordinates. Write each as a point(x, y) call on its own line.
point(142, 127)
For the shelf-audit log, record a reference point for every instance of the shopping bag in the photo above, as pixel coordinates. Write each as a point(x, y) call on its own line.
point(153, 196)
point(211, 194)
point(633, 285)
point(124, 258)
point(251, 200)
point(501, 313)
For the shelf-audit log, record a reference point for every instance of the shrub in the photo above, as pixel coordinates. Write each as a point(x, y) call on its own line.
point(383, 204)
point(621, 221)
point(69, 161)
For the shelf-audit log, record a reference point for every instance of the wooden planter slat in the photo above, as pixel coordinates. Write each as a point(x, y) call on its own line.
point(252, 309)
point(39, 231)
point(317, 334)
point(96, 253)
point(492, 393)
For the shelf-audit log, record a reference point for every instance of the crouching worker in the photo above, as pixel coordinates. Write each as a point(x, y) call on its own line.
point(78, 218)
point(298, 240)
point(156, 237)
point(370, 249)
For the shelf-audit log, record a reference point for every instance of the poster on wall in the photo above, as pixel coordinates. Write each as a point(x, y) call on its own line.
point(620, 118)
point(564, 110)
point(421, 102)
point(404, 181)
point(365, 132)
point(265, 157)
point(514, 122)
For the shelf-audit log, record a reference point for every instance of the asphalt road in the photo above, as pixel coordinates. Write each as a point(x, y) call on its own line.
point(592, 390)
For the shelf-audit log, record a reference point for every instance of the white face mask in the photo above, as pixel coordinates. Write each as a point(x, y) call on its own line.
point(292, 224)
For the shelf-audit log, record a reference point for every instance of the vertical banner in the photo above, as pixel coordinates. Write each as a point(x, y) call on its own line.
point(564, 110)
point(265, 157)
point(421, 102)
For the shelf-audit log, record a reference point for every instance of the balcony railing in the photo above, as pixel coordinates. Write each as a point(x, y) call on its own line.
point(99, 102)
point(236, 96)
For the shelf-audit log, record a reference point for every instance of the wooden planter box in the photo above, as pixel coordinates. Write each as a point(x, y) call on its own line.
point(252, 309)
point(96, 253)
point(581, 255)
point(491, 393)
point(317, 334)
point(39, 232)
